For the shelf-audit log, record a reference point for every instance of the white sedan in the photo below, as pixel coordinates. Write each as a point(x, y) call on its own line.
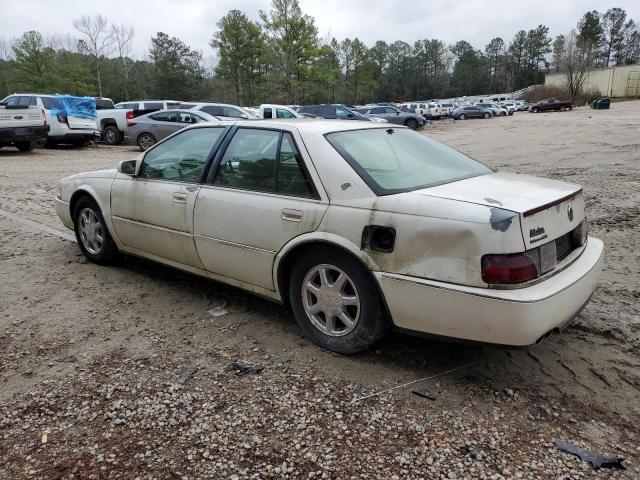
point(357, 227)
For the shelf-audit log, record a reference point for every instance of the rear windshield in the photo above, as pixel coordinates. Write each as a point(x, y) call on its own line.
point(395, 160)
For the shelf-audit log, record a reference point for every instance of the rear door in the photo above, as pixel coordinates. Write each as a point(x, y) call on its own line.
point(263, 193)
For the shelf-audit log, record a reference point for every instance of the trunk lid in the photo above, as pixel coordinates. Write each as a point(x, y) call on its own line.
point(548, 208)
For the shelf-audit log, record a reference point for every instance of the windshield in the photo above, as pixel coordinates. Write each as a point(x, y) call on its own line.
point(399, 160)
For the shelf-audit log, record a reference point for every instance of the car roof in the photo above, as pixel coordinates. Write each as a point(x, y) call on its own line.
point(305, 125)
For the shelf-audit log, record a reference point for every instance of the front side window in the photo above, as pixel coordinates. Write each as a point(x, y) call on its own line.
point(231, 112)
point(282, 113)
point(398, 160)
point(12, 100)
point(186, 117)
point(181, 158)
point(252, 162)
point(342, 112)
point(165, 117)
point(212, 110)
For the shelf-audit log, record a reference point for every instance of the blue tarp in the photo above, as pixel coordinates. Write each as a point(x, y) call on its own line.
point(81, 107)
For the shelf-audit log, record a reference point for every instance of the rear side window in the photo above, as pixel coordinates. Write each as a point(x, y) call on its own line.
point(212, 110)
point(49, 103)
point(165, 116)
point(282, 113)
point(153, 106)
point(27, 100)
point(267, 113)
point(264, 161)
point(231, 112)
point(103, 104)
point(187, 106)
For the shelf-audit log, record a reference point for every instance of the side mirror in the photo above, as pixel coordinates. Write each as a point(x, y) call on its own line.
point(127, 167)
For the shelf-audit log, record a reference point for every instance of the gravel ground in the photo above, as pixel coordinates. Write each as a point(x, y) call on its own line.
point(91, 357)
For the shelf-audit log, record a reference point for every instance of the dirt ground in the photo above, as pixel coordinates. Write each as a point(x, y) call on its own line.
point(90, 356)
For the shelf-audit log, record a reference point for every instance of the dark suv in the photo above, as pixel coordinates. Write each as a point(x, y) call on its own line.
point(335, 111)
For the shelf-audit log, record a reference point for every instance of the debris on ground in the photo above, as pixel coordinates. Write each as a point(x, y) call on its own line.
point(596, 459)
point(187, 374)
point(241, 368)
point(426, 393)
point(67, 359)
point(217, 312)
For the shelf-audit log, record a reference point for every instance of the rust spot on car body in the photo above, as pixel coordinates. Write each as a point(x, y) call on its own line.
point(501, 219)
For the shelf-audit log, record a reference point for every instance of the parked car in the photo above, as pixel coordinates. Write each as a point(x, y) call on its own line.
point(495, 109)
point(147, 130)
point(111, 121)
point(470, 111)
point(429, 110)
point(268, 111)
point(446, 109)
point(336, 112)
point(310, 115)
point(142, 107)
point(64, 127)
point(550, 104)
point(221, 110)
point(509, 105)
point(393, 115)
point(21, 126)
point(355, 237)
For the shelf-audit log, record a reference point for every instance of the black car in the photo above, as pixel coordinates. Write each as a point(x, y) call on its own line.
point(462, 113)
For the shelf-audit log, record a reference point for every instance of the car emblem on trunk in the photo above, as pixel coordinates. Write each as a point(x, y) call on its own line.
point(570, 213)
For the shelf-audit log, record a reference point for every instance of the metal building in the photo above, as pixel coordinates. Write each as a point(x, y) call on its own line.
point(623, 81)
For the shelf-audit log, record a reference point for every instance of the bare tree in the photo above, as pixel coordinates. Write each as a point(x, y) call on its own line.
point(122, 36)
point(62, 42)
point(97, 41)
point(574, 62)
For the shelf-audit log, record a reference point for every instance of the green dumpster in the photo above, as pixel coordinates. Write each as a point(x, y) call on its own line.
point(601, 104)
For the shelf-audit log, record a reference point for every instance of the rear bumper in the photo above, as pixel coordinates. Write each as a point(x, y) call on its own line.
point(517, 317)
point(20, 134)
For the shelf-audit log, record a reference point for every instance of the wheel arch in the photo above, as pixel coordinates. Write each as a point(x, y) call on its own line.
point(84, 191)
point(286, 257)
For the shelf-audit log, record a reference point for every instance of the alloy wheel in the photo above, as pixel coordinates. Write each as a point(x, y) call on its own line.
point(330, 300)
point(91, 231)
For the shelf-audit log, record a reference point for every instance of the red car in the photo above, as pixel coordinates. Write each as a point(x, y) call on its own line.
point(550, 104)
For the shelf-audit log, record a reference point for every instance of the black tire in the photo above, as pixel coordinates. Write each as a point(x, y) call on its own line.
point(146, 141)
point(108, 249)
point(462, 116)
point(372, 322)
point(41, 142)
point(534, 110)
point(25, 146)
point(486, 115)
point(570, 107)
point(503, 114)
point(111, 135)
point(411, 123)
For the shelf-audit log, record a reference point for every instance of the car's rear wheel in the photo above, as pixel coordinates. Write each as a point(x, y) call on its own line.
point(411, 123)
point(462, 116)
point(335, 301)
point(146, 141)
point(534, 110)
point(25, 146)
point(92, 233)
point(503, 114)
point(486, 115)
point(112, 135)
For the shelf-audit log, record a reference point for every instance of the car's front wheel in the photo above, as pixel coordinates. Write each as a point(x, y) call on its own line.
point(146, 141)
point(486, 115)
point(534, 110)
point(462, 116)
point(335, 301)
point(92, 233)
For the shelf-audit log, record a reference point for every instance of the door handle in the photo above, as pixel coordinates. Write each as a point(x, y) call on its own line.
point(291, 215)
point(180, 197)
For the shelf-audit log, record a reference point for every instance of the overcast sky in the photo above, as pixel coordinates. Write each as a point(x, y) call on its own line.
point(194, 21)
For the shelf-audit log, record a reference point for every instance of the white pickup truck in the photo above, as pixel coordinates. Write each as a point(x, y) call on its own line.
point(22, 126)
point(111, 121)
point(277, 111)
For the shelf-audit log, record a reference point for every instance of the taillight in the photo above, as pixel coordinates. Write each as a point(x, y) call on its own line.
point(63, 119)
point(44, 116)
point(129, 116)
point(515, 268)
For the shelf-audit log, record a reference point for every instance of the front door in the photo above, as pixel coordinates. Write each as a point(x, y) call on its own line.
point(262, 196)
point(153, 212)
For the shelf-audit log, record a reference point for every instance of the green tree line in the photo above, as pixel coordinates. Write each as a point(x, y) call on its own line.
point(281, 58)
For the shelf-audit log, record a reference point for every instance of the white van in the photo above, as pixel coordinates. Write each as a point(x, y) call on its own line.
point(62, 128)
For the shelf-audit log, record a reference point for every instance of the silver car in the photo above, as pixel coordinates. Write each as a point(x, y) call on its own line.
point(147, 130)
